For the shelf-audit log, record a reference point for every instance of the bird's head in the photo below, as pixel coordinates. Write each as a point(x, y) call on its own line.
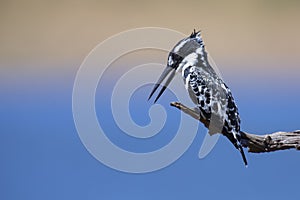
point(188, 51)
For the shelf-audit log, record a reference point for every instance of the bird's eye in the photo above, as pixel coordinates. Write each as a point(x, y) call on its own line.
point(174, 59)
point(175, 56)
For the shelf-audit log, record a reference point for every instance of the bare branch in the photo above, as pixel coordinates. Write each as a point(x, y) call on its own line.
point(255, 143)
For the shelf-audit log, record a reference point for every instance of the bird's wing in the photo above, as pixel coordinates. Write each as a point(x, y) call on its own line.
point(198, 90)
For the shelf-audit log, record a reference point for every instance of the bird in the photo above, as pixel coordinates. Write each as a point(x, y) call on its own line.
point(212, 97)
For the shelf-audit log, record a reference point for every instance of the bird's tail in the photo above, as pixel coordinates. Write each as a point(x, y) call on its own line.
point(235, 140)
point(240, 148)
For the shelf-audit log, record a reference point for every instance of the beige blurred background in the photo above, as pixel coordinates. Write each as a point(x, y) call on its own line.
point(61, 33)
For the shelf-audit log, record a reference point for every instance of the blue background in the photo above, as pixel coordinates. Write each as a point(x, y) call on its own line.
point(43, 157)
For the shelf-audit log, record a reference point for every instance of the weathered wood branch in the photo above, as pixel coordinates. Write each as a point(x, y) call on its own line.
point(255, 143)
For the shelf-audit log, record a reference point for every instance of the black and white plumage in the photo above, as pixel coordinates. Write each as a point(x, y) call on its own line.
point(207, 90)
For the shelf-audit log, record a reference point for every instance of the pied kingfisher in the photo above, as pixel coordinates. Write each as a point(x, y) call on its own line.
point(207, 90)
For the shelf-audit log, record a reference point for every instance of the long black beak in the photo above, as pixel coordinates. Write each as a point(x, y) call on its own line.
point(160, 80)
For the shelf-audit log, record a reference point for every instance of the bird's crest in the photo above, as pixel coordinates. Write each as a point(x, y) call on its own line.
point(197, 35)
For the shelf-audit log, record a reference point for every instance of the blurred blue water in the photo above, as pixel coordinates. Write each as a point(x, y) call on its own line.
point(42, 156)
